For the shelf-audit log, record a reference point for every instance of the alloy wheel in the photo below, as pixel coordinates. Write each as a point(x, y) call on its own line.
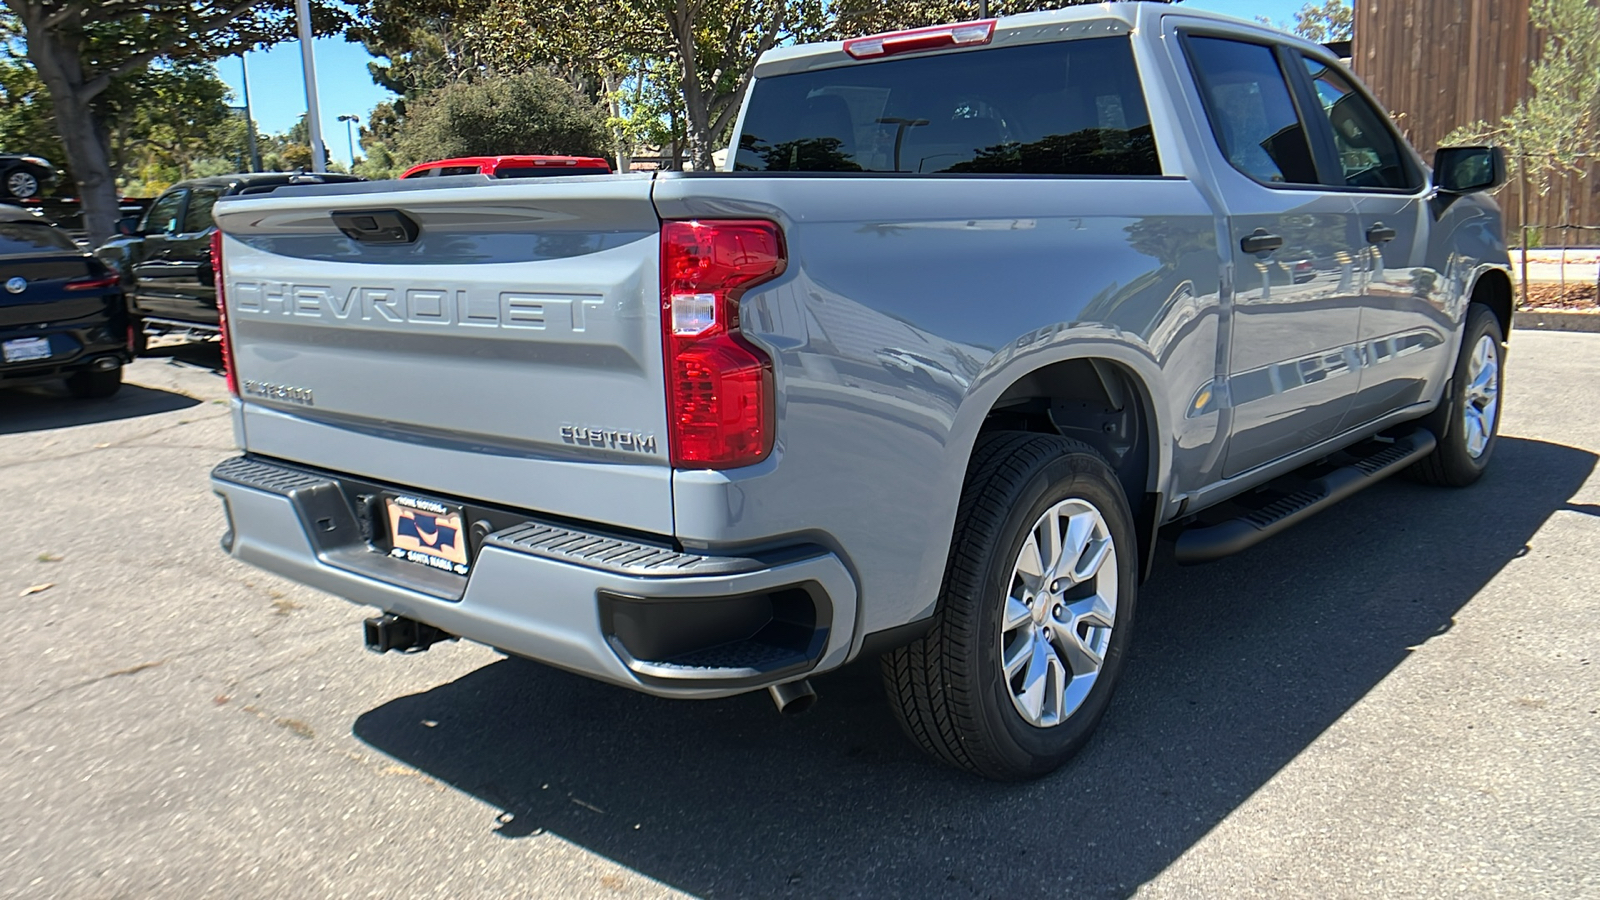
point(1482, 396)
point(1060, 608)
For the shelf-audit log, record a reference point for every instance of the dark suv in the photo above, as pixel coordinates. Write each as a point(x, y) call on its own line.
point(165, 255)
point(61, 310)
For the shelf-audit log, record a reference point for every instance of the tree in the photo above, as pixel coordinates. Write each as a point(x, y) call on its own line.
point(161, 119)
point(1324, 23)
point(1553, 129)
point(1331, 21)
point(529, 113)
point(80, 48)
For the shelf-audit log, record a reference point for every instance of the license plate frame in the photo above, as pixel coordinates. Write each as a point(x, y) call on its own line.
point(25, 349)
point(427, 532)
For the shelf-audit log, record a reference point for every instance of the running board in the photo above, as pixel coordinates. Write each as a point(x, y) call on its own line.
point(1212, 542)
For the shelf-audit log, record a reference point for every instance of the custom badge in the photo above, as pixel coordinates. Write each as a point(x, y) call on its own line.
point(428, 533)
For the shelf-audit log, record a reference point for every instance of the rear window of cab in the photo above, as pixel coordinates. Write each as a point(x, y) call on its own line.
point(19, 238)
point(1063, 108)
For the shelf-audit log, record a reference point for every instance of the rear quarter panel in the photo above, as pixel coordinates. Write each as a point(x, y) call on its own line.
point(908, 307)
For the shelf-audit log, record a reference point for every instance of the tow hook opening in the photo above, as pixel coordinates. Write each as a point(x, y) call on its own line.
point(391, 632)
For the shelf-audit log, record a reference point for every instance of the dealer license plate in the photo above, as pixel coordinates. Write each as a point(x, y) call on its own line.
point(428, 533)
point(25, 349)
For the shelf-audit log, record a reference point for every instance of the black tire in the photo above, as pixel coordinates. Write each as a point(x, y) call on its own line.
point(947, 689)
point(93, 385)
point(1452, 463)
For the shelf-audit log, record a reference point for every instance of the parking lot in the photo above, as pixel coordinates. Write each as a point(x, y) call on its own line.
point(1399, 698)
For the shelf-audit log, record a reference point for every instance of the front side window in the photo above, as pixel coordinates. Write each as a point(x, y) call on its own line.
point(162, 217)
point(197, 217)
point(1369, 153)
point(1252, 114)
point(1067, 108)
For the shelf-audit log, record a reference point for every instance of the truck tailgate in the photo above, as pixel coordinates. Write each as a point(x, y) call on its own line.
point(511, 352)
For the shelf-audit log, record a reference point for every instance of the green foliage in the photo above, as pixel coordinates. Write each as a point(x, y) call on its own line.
point(161, 120)
point(527, 113)
point(1554, 129)
point(1329, 21)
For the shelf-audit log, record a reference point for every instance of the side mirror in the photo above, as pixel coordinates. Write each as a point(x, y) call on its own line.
point(1463, 170)
point(128, 226)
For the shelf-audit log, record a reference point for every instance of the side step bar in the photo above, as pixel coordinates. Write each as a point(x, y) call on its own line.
point(1213, 542)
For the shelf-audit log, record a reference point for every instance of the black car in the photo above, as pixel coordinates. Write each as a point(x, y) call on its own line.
point(165, 255)
point(61, 310)
point(23, 176)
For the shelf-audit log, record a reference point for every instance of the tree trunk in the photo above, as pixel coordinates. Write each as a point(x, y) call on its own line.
point(86, 141)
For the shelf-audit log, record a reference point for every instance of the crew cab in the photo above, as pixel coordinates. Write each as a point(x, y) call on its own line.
point(510, 166)
point(979, 318)
point(164, 255)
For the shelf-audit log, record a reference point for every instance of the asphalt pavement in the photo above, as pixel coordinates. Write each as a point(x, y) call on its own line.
point(1398, 698)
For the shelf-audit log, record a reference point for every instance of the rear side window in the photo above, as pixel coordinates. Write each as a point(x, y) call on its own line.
point(1252, 115)
point(162, 218)
point(1065, 108)
point(457, 170)
point(197, 217)
point(18, 238)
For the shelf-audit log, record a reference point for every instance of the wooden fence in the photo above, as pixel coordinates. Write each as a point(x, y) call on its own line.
point(1440, 64)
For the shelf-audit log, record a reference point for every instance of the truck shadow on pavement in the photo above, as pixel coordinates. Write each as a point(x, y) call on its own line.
point(1235, 669)
point(41, 407)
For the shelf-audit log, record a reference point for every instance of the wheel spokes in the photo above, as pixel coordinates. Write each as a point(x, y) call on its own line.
point(1052, 649)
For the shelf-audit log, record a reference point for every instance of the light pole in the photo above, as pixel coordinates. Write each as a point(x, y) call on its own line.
point(308, 64)
point(349, 135)
point(249, 119)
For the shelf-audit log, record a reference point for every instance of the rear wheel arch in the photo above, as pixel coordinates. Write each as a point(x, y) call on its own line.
point(1110, 406)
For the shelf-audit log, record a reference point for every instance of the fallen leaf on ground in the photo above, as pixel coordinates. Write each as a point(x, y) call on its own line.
point(36, 588)
point(50, 557)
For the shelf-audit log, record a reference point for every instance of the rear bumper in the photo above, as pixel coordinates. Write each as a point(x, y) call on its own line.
point(632, 613)
point(73, 346)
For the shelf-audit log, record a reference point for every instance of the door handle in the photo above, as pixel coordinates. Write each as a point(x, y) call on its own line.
point(1259, 241)
point(1380, 233)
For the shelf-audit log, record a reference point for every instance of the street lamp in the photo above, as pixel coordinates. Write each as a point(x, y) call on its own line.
point(349, 123)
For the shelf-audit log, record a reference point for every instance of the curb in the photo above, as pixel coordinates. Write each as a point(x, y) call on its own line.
point(1555, 320)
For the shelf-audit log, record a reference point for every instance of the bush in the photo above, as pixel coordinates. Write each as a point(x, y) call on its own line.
point(531, 113)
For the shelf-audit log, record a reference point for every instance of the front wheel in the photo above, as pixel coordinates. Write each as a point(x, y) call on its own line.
point(1468, 419)
point(1034, 615)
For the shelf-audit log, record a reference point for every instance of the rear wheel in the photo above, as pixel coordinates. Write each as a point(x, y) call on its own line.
point(91, 384)
point(1467, 422)
point(22, 184)
point(1034, 616)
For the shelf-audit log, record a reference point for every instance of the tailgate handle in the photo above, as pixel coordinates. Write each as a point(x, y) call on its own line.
point(376, 226)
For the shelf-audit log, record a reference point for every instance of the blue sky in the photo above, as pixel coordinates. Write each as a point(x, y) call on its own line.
point(277, 93)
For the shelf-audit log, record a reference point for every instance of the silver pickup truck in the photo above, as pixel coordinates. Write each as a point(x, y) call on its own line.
point(978, 320)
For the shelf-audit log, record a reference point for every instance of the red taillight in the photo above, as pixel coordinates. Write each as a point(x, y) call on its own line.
point(719, 386)
point(92, 283)
point(222, 313)
point(960, 35)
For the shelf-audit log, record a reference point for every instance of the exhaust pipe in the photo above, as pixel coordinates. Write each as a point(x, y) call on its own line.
point(793, 698)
